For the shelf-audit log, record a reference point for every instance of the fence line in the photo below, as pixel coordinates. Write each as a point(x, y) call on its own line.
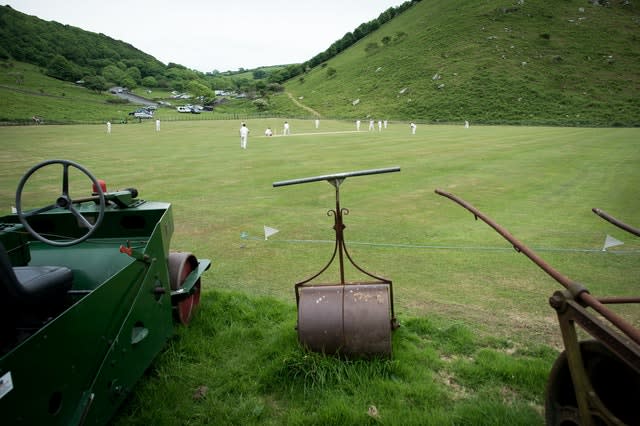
point(209, 116)
point(204, 116)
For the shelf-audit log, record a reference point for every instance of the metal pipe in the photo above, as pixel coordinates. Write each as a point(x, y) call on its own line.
point(616, 222)
point(615, 319)
point(340, 248)
point(618, 300)
point(517, 245)
point(578, 290)
point(339, 228)
point(337, 176)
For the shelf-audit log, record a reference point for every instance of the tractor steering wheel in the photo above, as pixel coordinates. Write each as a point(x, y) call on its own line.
point(63, 201)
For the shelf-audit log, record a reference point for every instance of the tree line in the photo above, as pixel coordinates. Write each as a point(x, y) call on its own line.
point(72, 54)
point(290, 71)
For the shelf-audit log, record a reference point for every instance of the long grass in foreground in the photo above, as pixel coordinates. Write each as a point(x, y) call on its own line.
point(239, 363)
point(475, 314)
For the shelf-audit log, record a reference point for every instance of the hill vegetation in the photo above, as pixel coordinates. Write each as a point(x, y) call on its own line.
point(573, 62)
point(71, 54)
point(568, 62)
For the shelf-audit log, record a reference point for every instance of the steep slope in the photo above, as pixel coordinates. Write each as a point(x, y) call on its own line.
point(29, 39)
point(566, 62)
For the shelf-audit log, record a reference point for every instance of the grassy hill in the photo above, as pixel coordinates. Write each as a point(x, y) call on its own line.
point(566, 62)
point(493, 62)
point(25, 92)
point(70, 53)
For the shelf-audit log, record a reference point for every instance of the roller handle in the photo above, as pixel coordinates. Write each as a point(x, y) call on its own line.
point(577, 290)
point(630, 229)
point(336, 176)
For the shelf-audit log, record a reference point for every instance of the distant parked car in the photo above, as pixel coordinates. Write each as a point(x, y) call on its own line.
point(143, 114)
point(183, 109)
point(141, 111)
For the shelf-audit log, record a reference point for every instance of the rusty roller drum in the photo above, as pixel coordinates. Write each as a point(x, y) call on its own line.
point(615, 384)
point(353, 319)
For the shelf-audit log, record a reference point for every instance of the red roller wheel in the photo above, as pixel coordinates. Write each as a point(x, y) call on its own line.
point(180, 266)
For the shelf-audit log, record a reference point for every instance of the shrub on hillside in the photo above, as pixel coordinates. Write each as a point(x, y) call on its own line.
point(372, 48)
point(117, 101)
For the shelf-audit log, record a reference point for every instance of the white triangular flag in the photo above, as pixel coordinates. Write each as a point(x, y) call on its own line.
point(268, 231)
point(611, 242)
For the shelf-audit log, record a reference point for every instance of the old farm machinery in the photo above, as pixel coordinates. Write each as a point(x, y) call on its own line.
point(595, 381)
point(353, 319)
point(88, 296)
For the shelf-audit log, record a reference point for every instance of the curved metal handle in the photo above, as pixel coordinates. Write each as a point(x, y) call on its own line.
point(517, 245)
point(630, 229)
point(337, 176)
point(577, 290)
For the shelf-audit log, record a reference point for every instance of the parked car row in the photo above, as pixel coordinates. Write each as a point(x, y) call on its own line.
point(193, 109)
point(144, 112)
point(147, 112)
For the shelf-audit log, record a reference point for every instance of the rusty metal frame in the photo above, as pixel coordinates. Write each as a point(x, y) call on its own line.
point(570, 312)
point(340, 247)
point(571, 305)
point(606, 216)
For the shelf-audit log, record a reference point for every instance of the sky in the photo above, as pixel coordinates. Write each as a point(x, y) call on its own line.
point(207, 35)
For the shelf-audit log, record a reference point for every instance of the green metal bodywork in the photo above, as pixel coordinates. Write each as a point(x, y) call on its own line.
point(79, 366)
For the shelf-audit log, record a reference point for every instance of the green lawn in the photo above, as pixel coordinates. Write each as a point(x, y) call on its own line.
point(475, 313)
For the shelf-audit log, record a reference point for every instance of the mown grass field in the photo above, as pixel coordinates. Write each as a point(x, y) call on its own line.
point(478, 336)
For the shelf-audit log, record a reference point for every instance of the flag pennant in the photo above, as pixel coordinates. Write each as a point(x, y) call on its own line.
point(611, 242)
point(268, 231)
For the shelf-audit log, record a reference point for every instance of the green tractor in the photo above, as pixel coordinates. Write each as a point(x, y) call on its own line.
point(89, 295)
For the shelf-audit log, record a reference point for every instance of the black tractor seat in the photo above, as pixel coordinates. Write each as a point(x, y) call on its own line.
point(29, 295)
point(26, 286)
point(38, 285)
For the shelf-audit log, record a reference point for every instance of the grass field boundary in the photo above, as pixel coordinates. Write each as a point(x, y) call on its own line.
point(449, 247)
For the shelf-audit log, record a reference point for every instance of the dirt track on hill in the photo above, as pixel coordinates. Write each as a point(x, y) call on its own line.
point(135, 98)
point(301, 105)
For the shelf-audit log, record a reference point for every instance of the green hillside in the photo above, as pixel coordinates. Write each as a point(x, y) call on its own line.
point(564, 62)
point(45, 58)
point(67, 52)
point(568, 62)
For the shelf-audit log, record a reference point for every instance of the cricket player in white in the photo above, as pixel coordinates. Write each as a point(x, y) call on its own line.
point(244, 135)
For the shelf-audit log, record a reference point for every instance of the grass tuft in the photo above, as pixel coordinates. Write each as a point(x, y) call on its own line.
point(314, 372)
